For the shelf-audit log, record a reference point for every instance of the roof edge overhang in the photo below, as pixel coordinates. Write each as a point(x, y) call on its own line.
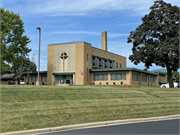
point(121, 69)
point(67, 73)
point(41, 72)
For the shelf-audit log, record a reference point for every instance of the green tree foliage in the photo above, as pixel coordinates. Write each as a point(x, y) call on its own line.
point(176, 74)
point(145, 69)
point(5, 68)
point(27, 66)
point(14, 44)
point(156, 40)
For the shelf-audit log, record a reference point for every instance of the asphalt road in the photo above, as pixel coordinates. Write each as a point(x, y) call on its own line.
point(169, 127)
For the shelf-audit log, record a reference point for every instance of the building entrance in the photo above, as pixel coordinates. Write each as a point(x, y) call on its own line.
point(63, 78)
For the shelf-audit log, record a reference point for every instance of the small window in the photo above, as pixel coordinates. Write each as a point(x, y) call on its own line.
point(118, 76)
point(100, 77)
point(116, 65)
point(134, 77)
point(151, 79)
point(143, 78)
point(57, 78)
point(43, 78)
point(119, 65)
point(30, 78)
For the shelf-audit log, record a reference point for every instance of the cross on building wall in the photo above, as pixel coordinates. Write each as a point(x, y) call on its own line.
point(63, 56)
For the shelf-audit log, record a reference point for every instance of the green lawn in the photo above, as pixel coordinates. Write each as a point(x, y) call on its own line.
point(32, 107)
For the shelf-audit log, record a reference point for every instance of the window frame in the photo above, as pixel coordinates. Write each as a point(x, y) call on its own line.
point(121, 75)
point(152, 79)
point(143, 77)
point(135, 77)
point(97, 76)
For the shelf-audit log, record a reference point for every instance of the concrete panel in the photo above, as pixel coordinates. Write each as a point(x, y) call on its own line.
point(69, 62)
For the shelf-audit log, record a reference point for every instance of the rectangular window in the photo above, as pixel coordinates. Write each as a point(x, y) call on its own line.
point(111, 64)
point(151, 79)
point(87, 68)
point(119, 65)
point(100, 63)
point(118, 76)
point(106, 65)
point(135, 77)
point(44, 78)
point(30, 78)
point(113, 77)
point(116, 65)
point(57, 78)
point(100, 77)
point(143, 78)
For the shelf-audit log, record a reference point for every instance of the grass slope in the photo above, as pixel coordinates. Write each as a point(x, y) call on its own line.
point(33, 107)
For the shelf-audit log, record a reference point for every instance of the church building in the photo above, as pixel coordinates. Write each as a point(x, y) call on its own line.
point(79, 63)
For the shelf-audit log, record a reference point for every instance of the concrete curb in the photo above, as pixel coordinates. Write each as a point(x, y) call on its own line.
point(87, 125)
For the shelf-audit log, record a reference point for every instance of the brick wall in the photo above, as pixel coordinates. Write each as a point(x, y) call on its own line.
point(49, 64)
point(118, 59)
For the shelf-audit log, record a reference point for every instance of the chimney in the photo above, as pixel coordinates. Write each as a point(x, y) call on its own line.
point(104, 40)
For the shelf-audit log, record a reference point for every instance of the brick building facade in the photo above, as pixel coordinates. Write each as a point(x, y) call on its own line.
point(78, 63)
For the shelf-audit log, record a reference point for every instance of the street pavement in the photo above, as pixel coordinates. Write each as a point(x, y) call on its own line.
point(168, 127)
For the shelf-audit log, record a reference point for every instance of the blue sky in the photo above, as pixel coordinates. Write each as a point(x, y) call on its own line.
point(81, 20)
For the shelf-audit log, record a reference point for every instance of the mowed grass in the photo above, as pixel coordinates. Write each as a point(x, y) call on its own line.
point(33, 107)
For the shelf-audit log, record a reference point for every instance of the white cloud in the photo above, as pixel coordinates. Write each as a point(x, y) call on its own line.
point(111, 35)
point(80, 7)
point(77, 32)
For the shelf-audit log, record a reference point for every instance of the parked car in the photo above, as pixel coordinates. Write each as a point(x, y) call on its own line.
point(176, 85)
point(22, 82)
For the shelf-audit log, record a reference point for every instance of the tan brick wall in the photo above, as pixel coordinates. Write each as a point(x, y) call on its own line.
point(87, 51)
point(26, 80)
point(143, 83)
point(162, 77)
point(118, 59)
point(104, 40)
point(139, 78)
point(4, 83)
point(49, 64)
point(118, 82)
point(79, 63)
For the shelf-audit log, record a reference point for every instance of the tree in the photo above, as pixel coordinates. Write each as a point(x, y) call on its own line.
point(145, 69)
point(27, 66)
point(176, 75)
point(156, 40)
point(14, 44)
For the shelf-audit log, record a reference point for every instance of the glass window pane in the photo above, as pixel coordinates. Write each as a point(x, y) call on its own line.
point(57, 78)
point(119, 76)
point(123, 76)
point(100, 77)
point(113, 76)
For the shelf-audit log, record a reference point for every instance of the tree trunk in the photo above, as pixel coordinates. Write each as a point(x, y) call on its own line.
point(169, 73)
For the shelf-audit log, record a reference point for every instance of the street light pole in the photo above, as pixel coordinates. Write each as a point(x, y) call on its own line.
point(38, 82)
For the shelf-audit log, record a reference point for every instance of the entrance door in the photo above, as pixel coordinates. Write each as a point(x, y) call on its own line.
point(69, 79)
point(64, 79)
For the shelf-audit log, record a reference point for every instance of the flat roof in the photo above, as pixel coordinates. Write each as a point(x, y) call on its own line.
point(68, 43)
point(67, 73)
point(41, 72)
point(121, 69)
point(87, 43)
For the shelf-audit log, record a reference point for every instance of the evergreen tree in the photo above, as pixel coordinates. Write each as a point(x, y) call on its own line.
point(27, 66)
